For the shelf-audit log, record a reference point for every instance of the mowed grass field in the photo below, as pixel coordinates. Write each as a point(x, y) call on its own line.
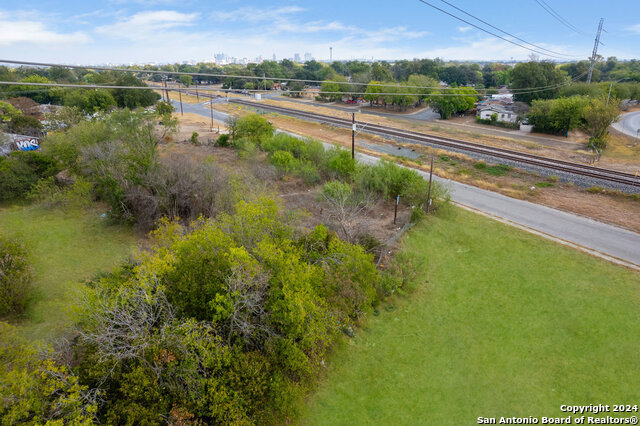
point(66, 248)
point(504, 324)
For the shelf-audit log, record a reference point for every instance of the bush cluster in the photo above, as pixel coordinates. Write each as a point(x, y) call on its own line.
point(226, 321)
point(20, 171)
point(15, 277)
point(504, 124)
point(37, 390)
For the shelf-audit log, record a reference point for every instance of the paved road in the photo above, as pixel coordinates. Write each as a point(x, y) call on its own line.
point(616, 244)
point(202, 109)
point(629, 124)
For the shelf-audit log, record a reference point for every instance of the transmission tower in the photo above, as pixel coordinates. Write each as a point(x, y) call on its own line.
point(595, 51)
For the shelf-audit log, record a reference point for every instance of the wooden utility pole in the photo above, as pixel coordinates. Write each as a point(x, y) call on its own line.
point(197, 95)
point(395, 212)
point(180, 94)
point(166, 90)
point(211, 108)
point(353, 136)
point(429, 193)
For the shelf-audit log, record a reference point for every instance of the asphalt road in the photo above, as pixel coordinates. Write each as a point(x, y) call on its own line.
point(201, 109)
point(629, 124)
point(608, 241)
point(616, 244)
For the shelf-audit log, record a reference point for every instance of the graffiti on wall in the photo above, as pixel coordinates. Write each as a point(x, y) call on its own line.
point(26, 143)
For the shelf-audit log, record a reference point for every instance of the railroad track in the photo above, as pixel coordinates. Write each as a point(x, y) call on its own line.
point(500, 153)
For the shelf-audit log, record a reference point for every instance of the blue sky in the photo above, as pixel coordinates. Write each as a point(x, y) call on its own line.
point(123, 31)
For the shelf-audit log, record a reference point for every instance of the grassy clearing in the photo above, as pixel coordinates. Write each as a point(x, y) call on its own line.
point(506, 324)
point(65, 248)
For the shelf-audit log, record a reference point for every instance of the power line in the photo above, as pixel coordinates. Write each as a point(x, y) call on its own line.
point(207, 89)
point(509, 34)
point(543, 4)
point(247, 77)
point(491, 33)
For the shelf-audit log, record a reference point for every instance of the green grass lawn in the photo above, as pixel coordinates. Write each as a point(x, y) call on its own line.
point(505, 324)
point(66, 248)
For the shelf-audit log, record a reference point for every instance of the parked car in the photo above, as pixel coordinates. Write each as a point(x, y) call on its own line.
point(351, 101)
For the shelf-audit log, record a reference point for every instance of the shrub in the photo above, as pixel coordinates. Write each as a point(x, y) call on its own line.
point(308, 172)
point(480, 165)
point(77, 196)
point(283, 161)
point(253, 127)
point(37, 390)
point(21, 171)
point(401, 274)
point(223, 140)
point(25, 125)
point(15, 277)
point(339, 163)
point(226, 321)
point(194, 138)
point(498, 170)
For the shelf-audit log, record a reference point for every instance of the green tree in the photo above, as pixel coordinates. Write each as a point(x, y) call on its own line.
point(89, 101)
point(597, 116)
point(380, 72)
point(543, 78)
point(186, 80)
point(7, 112)
point(132, 98)
point(557, 116)
point(331, 90)
point(371, 94)
point(454, 101)
point(253, 127)
point(37, 390)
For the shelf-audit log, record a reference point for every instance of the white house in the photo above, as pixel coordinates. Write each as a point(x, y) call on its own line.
point(505, 114)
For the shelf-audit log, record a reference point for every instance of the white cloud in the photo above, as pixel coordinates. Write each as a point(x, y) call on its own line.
point(464, 29)
point(253, 14)
point(148, 25)
point(634, 29)
point(14, 32)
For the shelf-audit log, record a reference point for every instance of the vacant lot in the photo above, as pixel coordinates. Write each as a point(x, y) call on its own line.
point(66, 248)
point(504, 324)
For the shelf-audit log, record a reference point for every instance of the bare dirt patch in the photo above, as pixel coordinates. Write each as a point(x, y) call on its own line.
point(295, 195)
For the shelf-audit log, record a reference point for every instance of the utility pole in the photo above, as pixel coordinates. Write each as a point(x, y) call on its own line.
point(595, 51)
point(330, 54)
point(395, 212)
point(429, 193)
point(264, 80)
point(180, 94)
point(166, 90)
point(197, 95)
point(353, 135)
point(211, 108)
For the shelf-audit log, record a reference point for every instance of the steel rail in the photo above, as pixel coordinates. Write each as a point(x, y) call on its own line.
point(502, 153)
